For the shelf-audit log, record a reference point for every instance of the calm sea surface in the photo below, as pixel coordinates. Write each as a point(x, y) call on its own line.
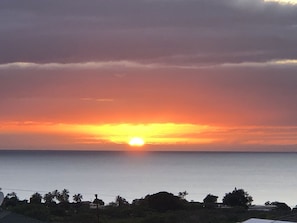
point(265, 176)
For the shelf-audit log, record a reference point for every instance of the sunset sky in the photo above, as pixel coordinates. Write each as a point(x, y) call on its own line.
point(180, 74)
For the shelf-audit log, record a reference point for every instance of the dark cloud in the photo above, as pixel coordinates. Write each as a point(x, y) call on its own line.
point(74, 31)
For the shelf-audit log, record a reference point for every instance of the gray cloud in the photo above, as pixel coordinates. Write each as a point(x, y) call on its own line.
point(76, 31)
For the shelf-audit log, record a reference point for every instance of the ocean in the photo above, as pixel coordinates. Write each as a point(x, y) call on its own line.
point(132, 175)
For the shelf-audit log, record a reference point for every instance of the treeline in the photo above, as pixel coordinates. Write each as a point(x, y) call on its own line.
point(163, 207)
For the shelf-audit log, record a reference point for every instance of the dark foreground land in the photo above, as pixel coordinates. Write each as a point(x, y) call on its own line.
point(162, 207)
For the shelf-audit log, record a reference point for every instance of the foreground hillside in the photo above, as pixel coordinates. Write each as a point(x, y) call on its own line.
point(162, 207)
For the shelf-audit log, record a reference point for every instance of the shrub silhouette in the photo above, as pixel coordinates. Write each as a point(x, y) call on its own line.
point(238, 197)
point(164, 201)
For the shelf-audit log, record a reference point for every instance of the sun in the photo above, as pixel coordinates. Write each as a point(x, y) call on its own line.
point(136, 141)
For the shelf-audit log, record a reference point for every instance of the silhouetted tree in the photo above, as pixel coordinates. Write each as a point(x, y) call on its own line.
point(210, 201)
point(98, 201)
point(36, 198)
point(281, 206)
point(238, 197)
point(12, 195)
point(49, 198)
point(63, 197)
point(120, 201)
point(182, 195)
point(56, 194)
point(11, 199)
point(77, 198)
point(164, 201)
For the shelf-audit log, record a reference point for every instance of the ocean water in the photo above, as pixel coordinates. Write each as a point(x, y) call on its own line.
point(265, 176)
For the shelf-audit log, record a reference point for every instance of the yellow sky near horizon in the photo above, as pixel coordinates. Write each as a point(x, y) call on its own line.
point(34, 135)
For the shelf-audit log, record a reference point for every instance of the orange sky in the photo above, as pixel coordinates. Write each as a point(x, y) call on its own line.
point(182, 75)
point(171, 136)
point(176, 109)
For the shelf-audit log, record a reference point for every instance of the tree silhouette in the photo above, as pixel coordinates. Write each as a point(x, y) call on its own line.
point(11, 199)
point(182, 195)
point(164, 201)
point(63, 197)
point(98, 201)
point(281, 206)
point(12, 195)
point(36, 198)
point(120, 201)
point(56, 195)
point(238, 197)
point(49, 198)
point(77, 198)
point(210, 201)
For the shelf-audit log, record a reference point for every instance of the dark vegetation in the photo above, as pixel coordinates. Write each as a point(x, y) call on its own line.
point(162, 207)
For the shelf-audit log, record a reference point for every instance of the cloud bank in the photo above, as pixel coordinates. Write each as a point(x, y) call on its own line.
point(212, 31)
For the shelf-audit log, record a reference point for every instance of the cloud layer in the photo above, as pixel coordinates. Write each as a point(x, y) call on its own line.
point(191, 31)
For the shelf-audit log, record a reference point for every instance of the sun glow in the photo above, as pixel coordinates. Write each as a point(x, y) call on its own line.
point(153, 133)
point(136, 141)
point(136, 135)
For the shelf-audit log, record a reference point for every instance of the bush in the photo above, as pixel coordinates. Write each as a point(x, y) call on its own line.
point(164, 201)
point(238, 197)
